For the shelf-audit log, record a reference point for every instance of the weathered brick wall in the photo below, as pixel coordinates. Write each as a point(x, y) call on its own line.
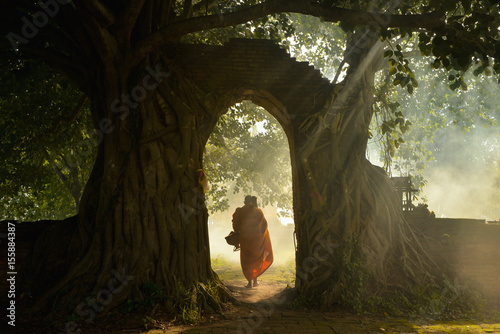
point(245, 68)
point(470, 248)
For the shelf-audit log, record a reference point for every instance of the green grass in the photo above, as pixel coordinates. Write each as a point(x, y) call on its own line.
point(221, 263)
point(277, 273)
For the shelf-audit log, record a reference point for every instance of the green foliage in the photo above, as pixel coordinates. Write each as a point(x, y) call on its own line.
point(353, 287)
point(414, 104)
point(443, 301)
point(390, 121)
point(148, 322)
point(182, 300)
point(220, 263)
point(189, 315)
point(41, 136)
point(153, 294)
point(304, 301)
point(468, 40)
point(213, 289)
point(399, 67)
point(72, 318)
point(457, 60)
point(357, 289)
point(436, 114)
point(286, 271)
point(248, 153)
point(42, 122)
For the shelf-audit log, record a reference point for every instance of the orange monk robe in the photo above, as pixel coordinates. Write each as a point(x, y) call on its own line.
point(256, 254)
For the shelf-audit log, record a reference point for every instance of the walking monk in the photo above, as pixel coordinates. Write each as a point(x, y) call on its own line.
point(256, 251)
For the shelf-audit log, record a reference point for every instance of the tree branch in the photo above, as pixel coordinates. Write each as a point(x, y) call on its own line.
point(308, 7)
point(74, 191)
point(130, 15)
point(100, 11)
point(56, 168)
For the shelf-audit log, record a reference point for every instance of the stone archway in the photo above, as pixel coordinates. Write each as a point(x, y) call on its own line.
point(264, 73)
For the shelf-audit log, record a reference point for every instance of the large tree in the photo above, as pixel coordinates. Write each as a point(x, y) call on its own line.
point(153, 124)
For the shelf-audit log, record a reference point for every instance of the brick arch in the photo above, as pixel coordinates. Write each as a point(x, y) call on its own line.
point(264, 73)
point(261, 68)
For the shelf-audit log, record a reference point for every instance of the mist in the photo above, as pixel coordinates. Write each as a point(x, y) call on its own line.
point(282, 238)
point(464, 179)
point(452, 149)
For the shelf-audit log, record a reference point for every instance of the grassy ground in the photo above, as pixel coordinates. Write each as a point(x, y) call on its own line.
point(283, 274)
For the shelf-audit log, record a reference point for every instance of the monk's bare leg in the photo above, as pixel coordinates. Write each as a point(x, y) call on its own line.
point(255, 283)
point(249, 285)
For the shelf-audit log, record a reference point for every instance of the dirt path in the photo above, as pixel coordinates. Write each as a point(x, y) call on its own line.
point(263, 311)
point(263, 292)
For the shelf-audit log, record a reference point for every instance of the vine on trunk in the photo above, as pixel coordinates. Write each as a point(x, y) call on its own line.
point(354, 214)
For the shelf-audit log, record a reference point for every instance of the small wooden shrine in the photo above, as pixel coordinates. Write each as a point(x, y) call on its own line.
point(406, 191)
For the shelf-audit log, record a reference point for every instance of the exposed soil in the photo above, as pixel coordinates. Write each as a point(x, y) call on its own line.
point(265, 290)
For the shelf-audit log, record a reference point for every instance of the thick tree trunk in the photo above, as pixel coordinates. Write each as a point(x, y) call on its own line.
point(143, 219)
point(352, 236)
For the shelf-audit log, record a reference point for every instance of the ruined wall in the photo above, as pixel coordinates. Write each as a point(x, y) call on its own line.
point(256, 70)
point(470, 248)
